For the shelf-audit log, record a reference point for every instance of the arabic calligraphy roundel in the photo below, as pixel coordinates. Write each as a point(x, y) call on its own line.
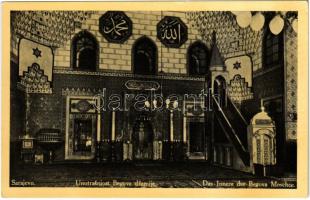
point(115, 26)
point(172, 32)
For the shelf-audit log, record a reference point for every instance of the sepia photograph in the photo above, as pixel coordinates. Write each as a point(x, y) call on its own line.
point(115, 98)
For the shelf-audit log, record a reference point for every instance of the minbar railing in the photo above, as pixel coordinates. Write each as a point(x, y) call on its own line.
point(232, 129)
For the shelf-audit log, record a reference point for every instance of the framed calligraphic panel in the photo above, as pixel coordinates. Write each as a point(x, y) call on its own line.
point(115, 26)
point(172, 32)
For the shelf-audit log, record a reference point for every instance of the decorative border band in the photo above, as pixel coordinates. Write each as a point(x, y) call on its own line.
point(166, 76)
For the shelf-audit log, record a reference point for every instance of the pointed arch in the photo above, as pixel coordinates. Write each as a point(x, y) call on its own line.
point(84, 51)
point(198, 58)
point(144, 56)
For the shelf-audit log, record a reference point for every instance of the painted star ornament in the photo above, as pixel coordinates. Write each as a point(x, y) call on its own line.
point(237, 65)
point(36, 52)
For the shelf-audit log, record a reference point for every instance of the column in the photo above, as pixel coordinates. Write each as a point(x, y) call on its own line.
point(184, 145)
point(113, 136)
point(113, 126)
point(98, 144)
point(171, 125)
point(99, 125)
point(184, 128)
point(171, 136)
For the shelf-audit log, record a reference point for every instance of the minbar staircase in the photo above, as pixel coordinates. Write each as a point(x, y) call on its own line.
point(234, 126)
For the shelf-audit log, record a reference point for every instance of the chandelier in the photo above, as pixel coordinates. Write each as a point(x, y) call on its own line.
point(256, 20)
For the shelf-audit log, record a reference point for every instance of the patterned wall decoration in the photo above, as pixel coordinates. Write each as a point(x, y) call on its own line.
point(81, 91)
point(51, 28)
point(34, 81)
point(238, 90)
point(241, 65)
point(291, 83)
point(31, 52)
point(231, 39)
point(83, 106)
point(142, 85)
point(167, 76)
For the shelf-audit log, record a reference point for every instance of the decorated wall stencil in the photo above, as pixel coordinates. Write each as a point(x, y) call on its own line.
point(83, 105)
point(34, 81)
point(241, 65)
point(52, 28)
point(31, 52)
point(238, 89)
point(172, 32)
point(115, 26)
point(230, 37)
point(291, 84)
point(142, 85)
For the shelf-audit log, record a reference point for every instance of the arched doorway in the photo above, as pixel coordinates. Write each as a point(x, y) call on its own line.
point(219, 90)
point(143, 138)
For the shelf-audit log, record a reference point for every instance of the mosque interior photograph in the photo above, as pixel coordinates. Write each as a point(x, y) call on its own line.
point(156, 98)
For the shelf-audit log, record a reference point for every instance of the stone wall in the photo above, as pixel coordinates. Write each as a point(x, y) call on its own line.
point(119, 56)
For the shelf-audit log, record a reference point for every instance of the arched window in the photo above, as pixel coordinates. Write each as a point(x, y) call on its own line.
point(84, 52)
point(144, 56)
point(198, 59)
point(273, 49)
